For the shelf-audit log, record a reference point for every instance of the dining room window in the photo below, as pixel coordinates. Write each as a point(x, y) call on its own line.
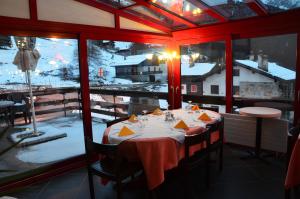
point(267, 72)
point(52, 66)
point(203, 65)
point(114, 94)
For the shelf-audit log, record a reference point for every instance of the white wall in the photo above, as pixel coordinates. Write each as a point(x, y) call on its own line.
point(70, 11)
point(248, 76)
point(15, 8)
point(215, 79)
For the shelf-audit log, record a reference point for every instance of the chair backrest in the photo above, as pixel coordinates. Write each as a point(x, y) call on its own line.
point(16, 97)
point(274, 135)
point(215, 109)
point(239, 129)
point(102, 149)
point(292, 138)
point(112, 122)
point(218, 125)
point(197, 138)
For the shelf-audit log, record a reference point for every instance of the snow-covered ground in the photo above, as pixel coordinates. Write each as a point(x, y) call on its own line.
point(63, 148)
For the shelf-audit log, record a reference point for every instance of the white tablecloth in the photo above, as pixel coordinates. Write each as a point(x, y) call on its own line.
point(156, 126)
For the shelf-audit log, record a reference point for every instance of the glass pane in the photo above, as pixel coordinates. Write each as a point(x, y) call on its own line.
point(55, 84)
point(149, 14)
point(186, 9)
point(203, 71)
point(264, 72)
point(233, 9)
point(280, 5)
point(125, 78)
point(117, 3)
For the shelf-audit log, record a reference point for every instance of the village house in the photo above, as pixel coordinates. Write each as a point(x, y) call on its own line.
point(141, 68)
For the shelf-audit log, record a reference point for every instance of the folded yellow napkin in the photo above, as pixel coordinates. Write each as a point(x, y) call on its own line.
point(181, 125)
point(125, 131)
point(133, 118)
point(157, 112)
point(195, 108)
point(204, 117)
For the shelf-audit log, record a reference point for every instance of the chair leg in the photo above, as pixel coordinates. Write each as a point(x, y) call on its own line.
point(119, 189)
point(221, 159)
point(287, 193)
point(207, 173)
point(91, 184)
point(25, 116)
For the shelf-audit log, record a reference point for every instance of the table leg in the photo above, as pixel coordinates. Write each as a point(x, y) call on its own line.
point(258, 136)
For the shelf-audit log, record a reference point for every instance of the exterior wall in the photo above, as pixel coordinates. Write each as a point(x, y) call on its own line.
point(215, 79)
point(244, 80)
point(188, 81)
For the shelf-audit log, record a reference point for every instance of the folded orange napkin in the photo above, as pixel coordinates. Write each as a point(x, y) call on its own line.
point(195, 108)
point(181, 125)
point(204, 117)
point(133, 118)
point(157, 112)
point(125, 131)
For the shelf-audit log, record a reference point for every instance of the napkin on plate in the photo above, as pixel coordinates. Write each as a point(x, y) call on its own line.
point(195, 108)
point(125, 131)
point(204, 117)
point(157, 112)
point(181, 125)
point(133, 118)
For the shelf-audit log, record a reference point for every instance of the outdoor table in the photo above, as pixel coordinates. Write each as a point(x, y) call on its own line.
point(156, 144)
point(5, 107)
point(293, 175)
point(259, 113)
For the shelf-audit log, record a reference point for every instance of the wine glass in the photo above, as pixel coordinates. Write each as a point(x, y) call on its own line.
point(145, 115)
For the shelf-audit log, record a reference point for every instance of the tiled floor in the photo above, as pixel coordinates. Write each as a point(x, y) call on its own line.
point(240, 179)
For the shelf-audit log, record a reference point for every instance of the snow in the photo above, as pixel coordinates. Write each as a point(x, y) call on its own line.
point(130, 60)
point(61, 148)
point(273, 69)
point(55, 54)
point(197, 69)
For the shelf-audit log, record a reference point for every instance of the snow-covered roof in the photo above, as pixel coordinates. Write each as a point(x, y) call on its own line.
point(197, 69)
point(129, 60)
point(273, 69)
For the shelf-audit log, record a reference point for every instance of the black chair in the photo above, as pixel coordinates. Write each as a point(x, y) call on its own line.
point(21, 104)
point(292, 138)
point(215, 109)
point(111, 166)
point(198, 158)
point(217, 146)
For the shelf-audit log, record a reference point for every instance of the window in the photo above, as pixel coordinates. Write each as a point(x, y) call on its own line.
point(214, 89)
point(118, 94)
point(236, 90)
point(194, 88)
point(55, 84)
point(236, 72)
point(267, 72)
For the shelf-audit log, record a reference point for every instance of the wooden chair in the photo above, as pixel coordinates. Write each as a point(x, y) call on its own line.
point(218, 145)
point(191, 162)
point(292, 138)
point(111, 166)
point(21, 105)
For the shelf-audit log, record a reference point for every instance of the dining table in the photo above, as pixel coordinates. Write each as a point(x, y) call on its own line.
point(259, 113)
point(293, 175)
point(156, 143)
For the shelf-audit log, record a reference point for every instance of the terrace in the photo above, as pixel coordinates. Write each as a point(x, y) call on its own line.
point(69, 68)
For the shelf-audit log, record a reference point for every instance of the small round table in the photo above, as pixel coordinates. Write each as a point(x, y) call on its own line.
point(259, 113)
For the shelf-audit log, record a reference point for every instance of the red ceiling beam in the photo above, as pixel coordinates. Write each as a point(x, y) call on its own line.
point(257, 7)
point(207, 9)
point(117, 21)
point(33, 10)
point(166, 13)
point(122, 13)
